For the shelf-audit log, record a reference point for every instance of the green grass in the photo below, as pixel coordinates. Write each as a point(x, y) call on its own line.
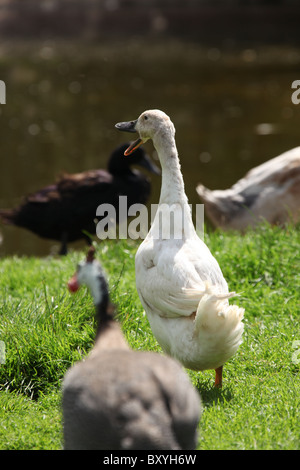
point(46, 329)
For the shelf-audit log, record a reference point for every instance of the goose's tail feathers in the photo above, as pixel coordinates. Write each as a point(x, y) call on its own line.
point(217, 317)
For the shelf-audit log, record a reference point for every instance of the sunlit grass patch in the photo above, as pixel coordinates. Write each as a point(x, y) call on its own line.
point(46, 329)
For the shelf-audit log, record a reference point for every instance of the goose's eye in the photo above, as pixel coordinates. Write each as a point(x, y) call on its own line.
point(145, 118)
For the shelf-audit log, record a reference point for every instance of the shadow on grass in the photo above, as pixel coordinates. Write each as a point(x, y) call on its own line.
point(211, 395)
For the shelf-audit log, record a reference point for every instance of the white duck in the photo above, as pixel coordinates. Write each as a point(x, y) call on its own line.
point(179, 282)
point(270, 191)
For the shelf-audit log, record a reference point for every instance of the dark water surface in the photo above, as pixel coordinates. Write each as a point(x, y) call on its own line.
point(232, 110)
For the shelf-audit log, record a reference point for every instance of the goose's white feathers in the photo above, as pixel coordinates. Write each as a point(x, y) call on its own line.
point(177, 275)
point(187, 307)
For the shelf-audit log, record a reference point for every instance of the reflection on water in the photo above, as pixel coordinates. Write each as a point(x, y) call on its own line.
point(232, 110)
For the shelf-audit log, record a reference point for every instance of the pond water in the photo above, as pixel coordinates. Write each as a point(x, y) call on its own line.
point(232, 110)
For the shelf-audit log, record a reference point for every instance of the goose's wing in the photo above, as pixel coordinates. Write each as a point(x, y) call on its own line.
point(195, 253)
point(172, 283)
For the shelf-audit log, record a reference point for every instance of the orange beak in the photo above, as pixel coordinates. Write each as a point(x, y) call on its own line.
point(129, 127)
point(132, 147)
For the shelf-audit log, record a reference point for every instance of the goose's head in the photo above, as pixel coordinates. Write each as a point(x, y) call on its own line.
point(148, 125)
point(89, 272)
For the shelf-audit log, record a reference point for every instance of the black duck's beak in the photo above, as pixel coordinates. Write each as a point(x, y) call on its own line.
point(129, 127)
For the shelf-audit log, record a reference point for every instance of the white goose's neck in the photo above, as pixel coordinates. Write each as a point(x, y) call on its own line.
point(172, 186)
point(173, 199)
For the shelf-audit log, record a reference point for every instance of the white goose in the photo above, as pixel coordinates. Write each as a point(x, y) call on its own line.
point(179, 282)
point(270, 191)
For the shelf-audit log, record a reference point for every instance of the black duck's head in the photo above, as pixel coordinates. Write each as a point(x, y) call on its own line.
point(119, 164)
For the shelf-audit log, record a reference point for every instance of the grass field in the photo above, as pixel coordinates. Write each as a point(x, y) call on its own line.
point(45, 330)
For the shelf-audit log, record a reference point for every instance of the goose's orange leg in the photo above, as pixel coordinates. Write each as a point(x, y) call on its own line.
point(218, 380)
